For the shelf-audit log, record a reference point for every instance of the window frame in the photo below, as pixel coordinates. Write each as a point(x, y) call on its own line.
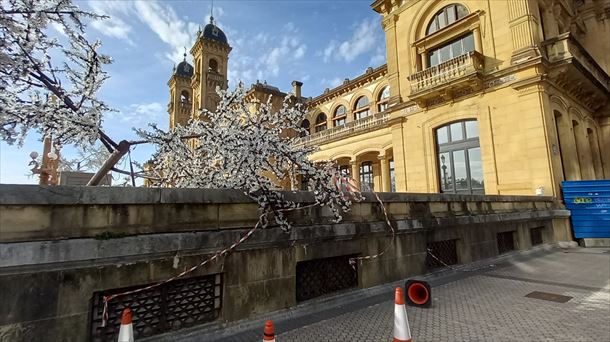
point(339, 120)
point(382, 102)
point(358, 111)
point(306, 128)
point(465, 145)
point(321, 125)
point(364, 173)
point(444, 13)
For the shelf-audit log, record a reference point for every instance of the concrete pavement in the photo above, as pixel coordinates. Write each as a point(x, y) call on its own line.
point(482, 302)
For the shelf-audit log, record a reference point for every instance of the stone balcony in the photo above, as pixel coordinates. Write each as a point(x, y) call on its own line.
point(443, 80)
point(369, 123)
point(572, 68)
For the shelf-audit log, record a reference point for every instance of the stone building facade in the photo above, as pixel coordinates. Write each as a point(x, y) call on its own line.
point(477, 96)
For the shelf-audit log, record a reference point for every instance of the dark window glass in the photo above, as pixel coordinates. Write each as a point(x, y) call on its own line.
point(453, 49)
point(366, 176)
point(320, 122)
point(459, 158)
point(305, 126)
point(392, 176)
point(447, 16)
point(362, 101)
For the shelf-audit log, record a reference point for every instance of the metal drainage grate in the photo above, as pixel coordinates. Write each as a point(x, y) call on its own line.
point(441, 254)
point(178, 304)
point(322, 276)
point(536, 236)
point(506, 242)
point(552, 297)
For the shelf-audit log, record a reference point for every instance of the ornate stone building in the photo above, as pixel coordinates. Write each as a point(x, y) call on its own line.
point(477, 96)
point(495, 97)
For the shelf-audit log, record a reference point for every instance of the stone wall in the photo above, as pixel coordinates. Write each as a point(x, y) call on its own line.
point(60, 245)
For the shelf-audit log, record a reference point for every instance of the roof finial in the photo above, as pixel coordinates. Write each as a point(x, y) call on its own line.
point(184, 54)
point(212, 13)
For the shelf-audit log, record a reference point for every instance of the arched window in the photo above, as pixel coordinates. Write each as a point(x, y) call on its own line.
point(320, 123)
point(459, 158)
point(447, 16)
point(339, 116)
point(305, 125)
point(361, 109)
point(185, 97)
point(382, 101)
point(213, 65)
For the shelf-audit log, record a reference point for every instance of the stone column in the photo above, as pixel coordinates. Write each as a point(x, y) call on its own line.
point(478, 46)
point(567, 143)
point(595, 153)
point(385, 173)
point(355, 171)
point(584, 151)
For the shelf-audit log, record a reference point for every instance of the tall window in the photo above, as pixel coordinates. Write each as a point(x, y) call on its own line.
point(382, 101)
point(392, 176)
point(459, 158)
point(339, 116)
point(453, 49)
point(305, 126)
point(345, 170)
point(320, 123)
point(446, 16)
point(361, 110)
point(366, 176)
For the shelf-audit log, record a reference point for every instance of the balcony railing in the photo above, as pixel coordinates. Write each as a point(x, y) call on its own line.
point(358, 126)
point(446, 72)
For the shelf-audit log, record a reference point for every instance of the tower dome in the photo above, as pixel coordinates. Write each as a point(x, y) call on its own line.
point(213, 32)
point(184, 69)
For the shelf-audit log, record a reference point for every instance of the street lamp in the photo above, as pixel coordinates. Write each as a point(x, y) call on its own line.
point(47, 169)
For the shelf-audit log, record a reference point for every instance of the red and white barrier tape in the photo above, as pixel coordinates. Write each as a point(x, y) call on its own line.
point(344, 183)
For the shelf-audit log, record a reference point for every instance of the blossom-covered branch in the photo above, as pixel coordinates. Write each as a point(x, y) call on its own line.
point(245, 146)
point(49, 77)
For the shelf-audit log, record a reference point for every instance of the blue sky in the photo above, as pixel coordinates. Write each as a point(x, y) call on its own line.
point(317, 42)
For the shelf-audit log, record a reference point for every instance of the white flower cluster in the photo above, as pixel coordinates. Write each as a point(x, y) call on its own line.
point(49, 77)
point(245, 146)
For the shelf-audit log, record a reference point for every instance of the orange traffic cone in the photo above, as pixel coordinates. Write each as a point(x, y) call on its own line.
point(126, 331)
point(269, 335)
point(402, 333)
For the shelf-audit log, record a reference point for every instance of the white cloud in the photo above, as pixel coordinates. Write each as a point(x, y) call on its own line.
point(114, 26)
point(331, 83)
point(163, 21)
point(364, 39)
point(289, 50)
point(379, 57)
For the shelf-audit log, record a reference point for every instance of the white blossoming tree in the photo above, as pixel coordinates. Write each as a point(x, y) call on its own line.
point(232, 147)
point(237, 147)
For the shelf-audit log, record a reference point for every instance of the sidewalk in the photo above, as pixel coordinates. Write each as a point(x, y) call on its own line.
point(481, 302)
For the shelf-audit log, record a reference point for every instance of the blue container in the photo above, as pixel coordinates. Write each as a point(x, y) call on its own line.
point(589, 205)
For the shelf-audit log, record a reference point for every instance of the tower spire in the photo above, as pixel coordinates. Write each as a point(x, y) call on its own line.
point(212, 13)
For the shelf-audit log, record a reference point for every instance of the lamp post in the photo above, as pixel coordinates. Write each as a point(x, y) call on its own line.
point(47, 169)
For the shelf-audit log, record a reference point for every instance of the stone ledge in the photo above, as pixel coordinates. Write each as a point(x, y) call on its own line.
point(70, 195)
point(102, 251)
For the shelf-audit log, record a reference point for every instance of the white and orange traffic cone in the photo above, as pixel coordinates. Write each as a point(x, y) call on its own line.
point(402, 333)
point(126, 331)
point(269, 335)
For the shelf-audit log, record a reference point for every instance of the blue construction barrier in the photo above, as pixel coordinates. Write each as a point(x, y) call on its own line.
point(589, 205)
